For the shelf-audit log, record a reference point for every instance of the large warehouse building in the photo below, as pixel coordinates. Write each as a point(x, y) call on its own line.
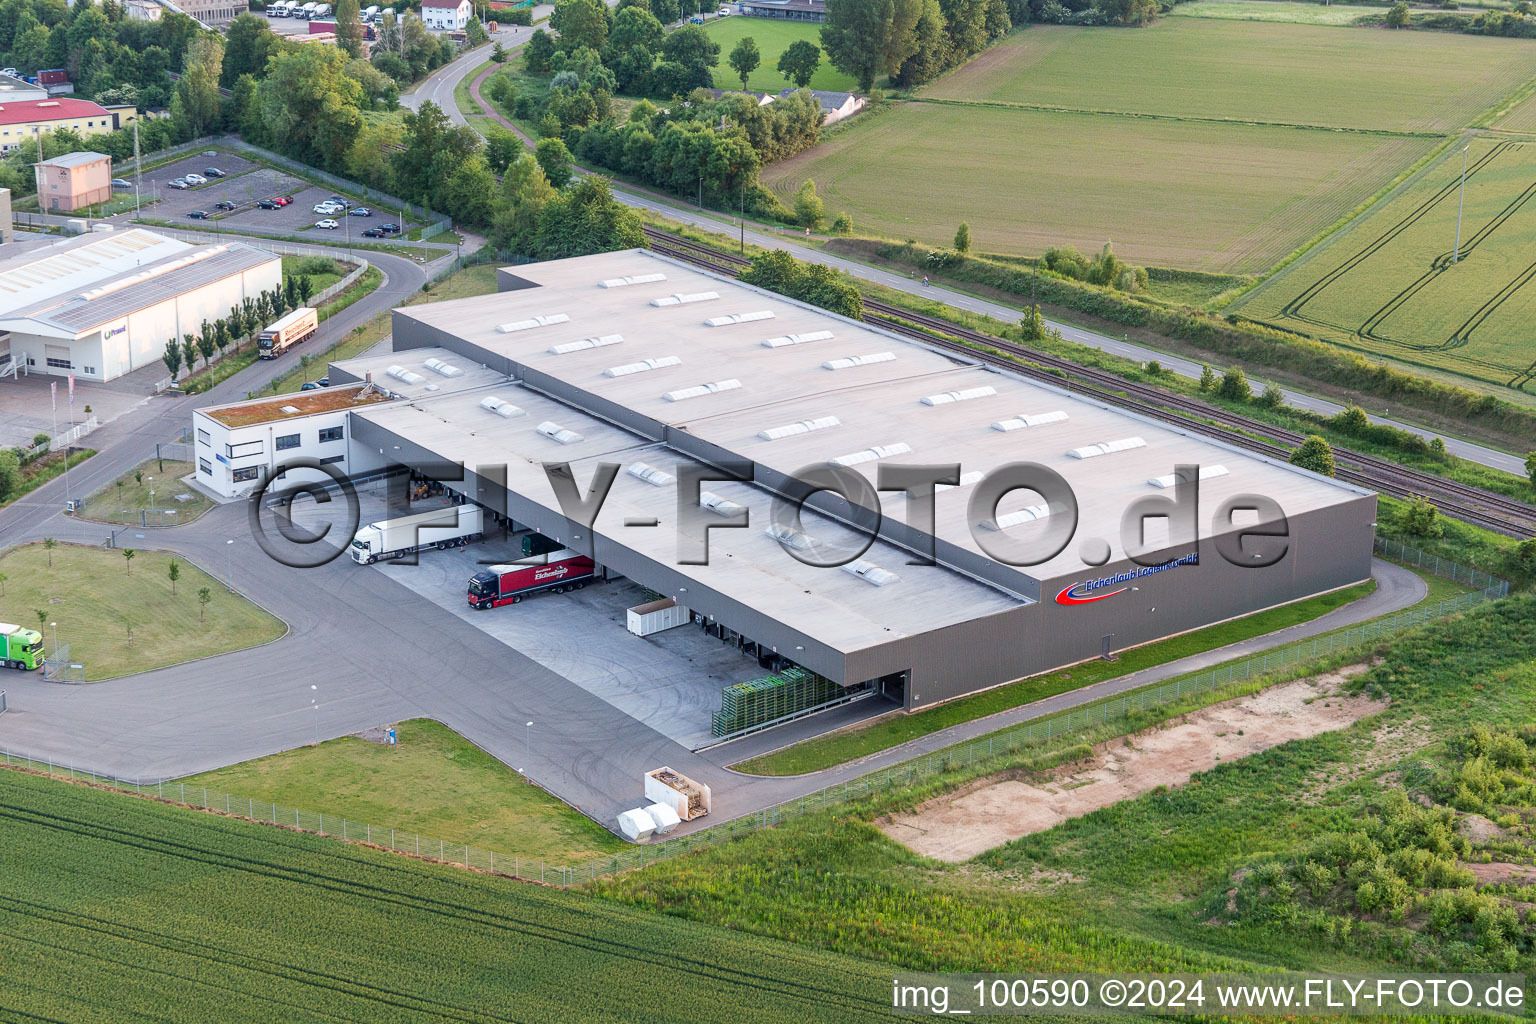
point(635, 359)
point(104, 304)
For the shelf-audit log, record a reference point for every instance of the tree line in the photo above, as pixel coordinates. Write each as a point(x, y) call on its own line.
point(238, 328)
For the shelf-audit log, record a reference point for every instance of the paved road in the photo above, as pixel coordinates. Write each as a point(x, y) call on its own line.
point(668, 207)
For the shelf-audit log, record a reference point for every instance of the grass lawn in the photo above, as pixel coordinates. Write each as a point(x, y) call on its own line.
point(432, 782)
point(1388, 287)
point(772, 38)
point(1029, 179)
point(1281, 74)
point(320, 279)
point(124, 909)
point(836, 748)
point(1275, 10)
point(126, 493)
point(99, 599)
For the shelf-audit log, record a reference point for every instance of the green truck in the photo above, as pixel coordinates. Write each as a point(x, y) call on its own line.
point(20, 648)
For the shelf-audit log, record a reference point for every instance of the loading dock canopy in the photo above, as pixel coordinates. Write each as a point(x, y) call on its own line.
point(867, 397)
point(839, 609)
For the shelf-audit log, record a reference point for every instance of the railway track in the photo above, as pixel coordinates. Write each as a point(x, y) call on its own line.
point(1461, 501)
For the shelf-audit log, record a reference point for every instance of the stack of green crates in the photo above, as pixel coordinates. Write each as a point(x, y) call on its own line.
point(743, 705)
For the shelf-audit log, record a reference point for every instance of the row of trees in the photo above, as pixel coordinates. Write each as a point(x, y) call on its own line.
point(239, 327)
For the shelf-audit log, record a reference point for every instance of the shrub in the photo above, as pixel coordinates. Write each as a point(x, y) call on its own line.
point(1234, 386)
point(843, 225)
point(1272, 398)
point(1420, 518)
point(1207, 379)
point(315, 265)
point(1315, 454)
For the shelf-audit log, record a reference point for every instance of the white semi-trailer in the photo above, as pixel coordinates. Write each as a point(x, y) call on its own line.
point(449, 527)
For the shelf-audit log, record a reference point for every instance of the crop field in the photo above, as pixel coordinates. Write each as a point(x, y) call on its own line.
point(772, 38)
point(1195, 143)
point(1246, 71)
point(119, 910)
point(1275, 10)
point(1029, 179)
point(1390, 287)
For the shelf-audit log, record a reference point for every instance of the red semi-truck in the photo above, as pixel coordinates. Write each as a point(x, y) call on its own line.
point(555, 571)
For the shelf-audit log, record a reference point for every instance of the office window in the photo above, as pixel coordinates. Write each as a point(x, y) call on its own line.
point(249, 473)
point(88, 369)
point(331, 434)
point(287, 441)
point(204, 467)
point(244, 448)
point(333, 460)
point(60, 364)
point(202, 437)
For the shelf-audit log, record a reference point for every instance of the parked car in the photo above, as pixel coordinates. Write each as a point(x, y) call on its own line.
point(268, 204)
point(389, 229)
point(328, 224)
point(225, 204)
point(196, 179)
point(723, 12)
point(282, 200)
point(323, 382)
point(327, 208)
point(359, 211)
point(340, 201)
point(213, 172)
point(373, 233)
point(121, 185)
point(198, 214)
point(697, 19)
point(177, 184)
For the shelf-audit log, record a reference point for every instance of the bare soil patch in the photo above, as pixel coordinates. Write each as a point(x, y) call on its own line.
point(993, 811)
point(1500, 871)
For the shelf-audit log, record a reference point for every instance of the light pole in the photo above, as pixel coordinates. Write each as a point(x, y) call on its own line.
point(151, 494)
point(315, 703)
point(527, 748)
point(231, 573)
point(55, 626)
point(1460, 202)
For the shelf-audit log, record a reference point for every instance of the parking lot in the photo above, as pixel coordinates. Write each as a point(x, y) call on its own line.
point(247, 183)
point(670, 681)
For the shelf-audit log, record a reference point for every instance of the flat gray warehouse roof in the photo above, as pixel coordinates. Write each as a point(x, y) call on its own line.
point(832, 606)
point(416, 372)
point(680, 354)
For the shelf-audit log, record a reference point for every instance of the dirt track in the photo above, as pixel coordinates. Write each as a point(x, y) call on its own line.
point(990, 812)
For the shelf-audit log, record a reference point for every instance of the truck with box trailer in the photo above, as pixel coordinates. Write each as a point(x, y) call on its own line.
point(452, 526)
point(688, 798)
point(556, 571)
point(288, 330)
point(20, 648)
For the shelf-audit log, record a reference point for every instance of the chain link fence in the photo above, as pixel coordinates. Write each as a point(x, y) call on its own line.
point(58, 668)
point(1018, 738)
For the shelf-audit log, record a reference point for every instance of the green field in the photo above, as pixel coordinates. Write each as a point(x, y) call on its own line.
point(1028, 179)
point(433, 782)
point(119, 623)
point(1195, 143)
point(772, 38)
point(1389, 287)
point(1275, 10)
point(1143, 884)
point(1275, 74)
point(119, 910)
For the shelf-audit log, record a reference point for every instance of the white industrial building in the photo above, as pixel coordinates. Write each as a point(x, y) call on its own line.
point(104, 304)
point(239, 445)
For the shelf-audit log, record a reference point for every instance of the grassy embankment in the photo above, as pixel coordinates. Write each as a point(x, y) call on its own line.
point(1144, 884)
point(432, 782)
point(120, 616)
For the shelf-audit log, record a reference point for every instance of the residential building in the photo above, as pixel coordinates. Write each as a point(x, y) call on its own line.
point(786, 10)
point(212, 13)
point(103, 304)
point(67, 183)
point(21, 123)
point(834, 105)
point(142, 10)
point(445, 15)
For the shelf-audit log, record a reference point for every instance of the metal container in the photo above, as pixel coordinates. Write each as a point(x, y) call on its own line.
point(645, 619)
point(636, 825)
